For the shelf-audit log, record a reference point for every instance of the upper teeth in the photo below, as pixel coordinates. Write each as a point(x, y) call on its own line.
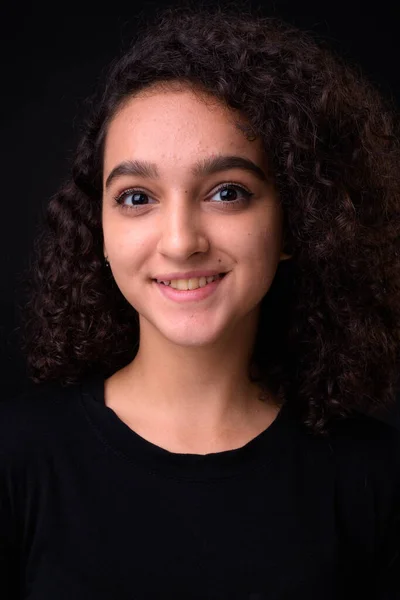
point(189, 284)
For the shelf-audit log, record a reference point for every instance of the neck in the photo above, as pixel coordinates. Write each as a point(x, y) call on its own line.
point(204, 388)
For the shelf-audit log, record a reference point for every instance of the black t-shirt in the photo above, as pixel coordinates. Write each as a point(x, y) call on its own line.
point(89, 509)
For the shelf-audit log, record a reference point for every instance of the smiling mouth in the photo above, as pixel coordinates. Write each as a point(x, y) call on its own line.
point(190, 284)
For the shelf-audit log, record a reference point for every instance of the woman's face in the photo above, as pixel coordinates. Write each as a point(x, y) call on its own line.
point(176, 216)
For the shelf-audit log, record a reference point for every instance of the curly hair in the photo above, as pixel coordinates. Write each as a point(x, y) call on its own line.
point(329, 331)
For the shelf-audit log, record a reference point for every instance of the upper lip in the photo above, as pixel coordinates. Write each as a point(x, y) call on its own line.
point(186, 275)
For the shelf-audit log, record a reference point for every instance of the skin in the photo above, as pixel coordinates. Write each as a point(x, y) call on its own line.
point(187, 389)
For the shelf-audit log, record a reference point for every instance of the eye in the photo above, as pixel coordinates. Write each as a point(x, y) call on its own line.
point(137, 197)
point(229, 193)
point(232, 194)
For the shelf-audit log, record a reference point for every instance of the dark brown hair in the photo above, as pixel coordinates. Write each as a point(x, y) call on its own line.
point(329, 332)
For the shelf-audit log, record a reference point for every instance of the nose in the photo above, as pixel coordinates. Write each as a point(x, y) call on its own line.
point(182, 230)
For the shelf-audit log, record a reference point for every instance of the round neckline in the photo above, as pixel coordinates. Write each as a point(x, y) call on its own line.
point(126, 442)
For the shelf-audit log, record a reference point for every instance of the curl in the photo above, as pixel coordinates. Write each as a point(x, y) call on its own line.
point(329, 333)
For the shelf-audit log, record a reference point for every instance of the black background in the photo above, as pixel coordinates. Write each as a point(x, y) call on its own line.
point(52, 57)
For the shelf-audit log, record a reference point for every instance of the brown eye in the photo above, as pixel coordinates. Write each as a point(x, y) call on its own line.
point(229, 193)
point(137, 198)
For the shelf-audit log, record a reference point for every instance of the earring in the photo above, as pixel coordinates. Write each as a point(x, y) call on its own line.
point(106, 261)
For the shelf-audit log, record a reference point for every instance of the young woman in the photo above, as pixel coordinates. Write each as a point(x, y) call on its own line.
point(214, 315)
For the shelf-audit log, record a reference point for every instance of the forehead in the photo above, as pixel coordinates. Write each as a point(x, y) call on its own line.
point(177, 123)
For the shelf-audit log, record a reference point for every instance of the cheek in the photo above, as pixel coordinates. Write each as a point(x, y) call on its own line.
point(125, 243)
point(260, 254)
point(260, 246)
point(260, 237)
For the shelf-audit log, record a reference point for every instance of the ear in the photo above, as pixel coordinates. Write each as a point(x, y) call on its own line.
point(284, 255)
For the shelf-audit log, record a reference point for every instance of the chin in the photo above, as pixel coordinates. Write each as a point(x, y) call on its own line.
point(190, 333)
point(191, 339)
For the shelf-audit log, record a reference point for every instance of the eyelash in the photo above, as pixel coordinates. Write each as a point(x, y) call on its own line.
point(121, 197)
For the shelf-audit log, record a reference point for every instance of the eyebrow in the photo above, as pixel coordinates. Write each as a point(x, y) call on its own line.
point(207, 166)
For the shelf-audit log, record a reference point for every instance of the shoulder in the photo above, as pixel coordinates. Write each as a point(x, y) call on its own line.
point(37, 416)
point(366, 452)
point(365, 436)
point(354, 446)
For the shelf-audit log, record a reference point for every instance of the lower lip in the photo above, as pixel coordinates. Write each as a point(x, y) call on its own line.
point(189, 295)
